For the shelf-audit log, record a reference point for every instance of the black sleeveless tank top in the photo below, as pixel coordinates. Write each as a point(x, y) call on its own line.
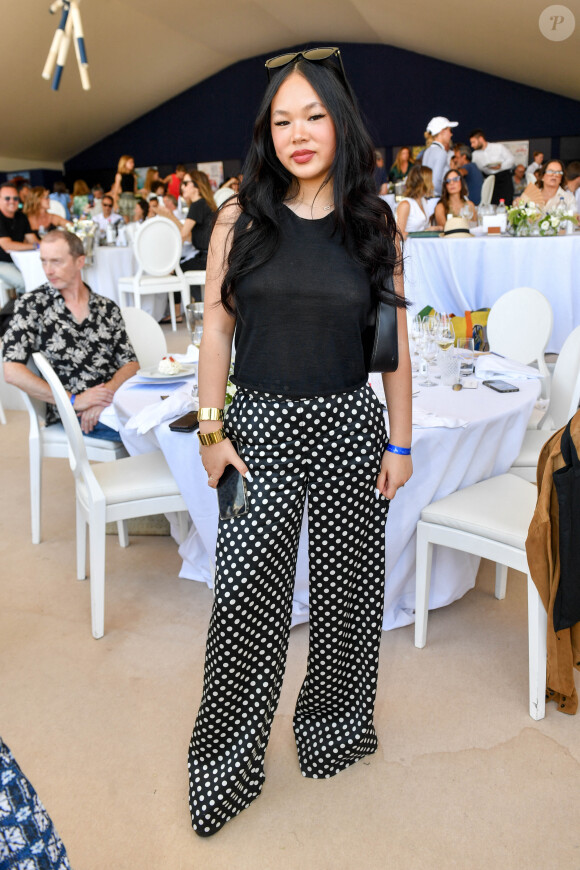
point(302, 317)
point(127, 182)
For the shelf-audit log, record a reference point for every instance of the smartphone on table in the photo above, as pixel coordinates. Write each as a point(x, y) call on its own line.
point(501, 386)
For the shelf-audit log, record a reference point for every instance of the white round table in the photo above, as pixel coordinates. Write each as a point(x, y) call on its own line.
point(109, 264)
point(457, 275)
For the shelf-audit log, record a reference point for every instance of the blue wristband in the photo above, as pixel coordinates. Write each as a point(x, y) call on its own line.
point(402, 451)
point(72, 399)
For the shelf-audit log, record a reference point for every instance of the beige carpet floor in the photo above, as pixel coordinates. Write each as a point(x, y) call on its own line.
point(463, 777)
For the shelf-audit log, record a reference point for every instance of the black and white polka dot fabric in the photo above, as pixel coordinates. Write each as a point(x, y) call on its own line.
point(329, 450)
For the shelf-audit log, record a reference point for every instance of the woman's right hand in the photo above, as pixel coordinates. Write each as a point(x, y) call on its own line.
point(215, 457)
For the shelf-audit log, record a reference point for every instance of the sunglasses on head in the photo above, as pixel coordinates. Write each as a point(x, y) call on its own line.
point(310, 54)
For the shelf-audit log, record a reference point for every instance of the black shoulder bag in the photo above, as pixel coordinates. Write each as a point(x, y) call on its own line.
point(385, 352)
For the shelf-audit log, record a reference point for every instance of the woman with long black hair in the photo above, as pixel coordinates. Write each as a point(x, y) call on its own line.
point(296, 263)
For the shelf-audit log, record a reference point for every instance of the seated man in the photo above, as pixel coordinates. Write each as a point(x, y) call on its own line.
point(573, 181)
point(81, 334)
point(107, 215)
point(15, 235)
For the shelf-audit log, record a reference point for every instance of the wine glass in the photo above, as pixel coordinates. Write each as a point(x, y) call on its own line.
point(196, 335)
point(445, 336)
point(415, 333)
point(428, 352)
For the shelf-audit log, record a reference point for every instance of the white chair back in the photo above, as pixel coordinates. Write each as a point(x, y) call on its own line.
point(520, 325)
point(487, 190)
point(565, 389)
point(146, 336)
point(57, 208)
point(78, 458)
point(158, 246)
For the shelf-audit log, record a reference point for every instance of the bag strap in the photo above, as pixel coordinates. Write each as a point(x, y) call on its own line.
point(568, 449)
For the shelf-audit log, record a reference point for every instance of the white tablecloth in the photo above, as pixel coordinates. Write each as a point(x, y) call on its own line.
point(444, 460)
point(457, 275)
point(109, 264)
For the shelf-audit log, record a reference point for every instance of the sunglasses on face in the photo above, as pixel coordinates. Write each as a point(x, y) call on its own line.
point(453, 178)
point(553, 172)
point(10, 198)
point(310, 54)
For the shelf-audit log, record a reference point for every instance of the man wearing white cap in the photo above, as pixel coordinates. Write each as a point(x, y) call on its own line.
point(437, 155)
point(493, 158)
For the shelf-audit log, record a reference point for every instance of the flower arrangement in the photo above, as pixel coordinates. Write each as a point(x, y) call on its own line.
point(529, 219)
point(522, 218)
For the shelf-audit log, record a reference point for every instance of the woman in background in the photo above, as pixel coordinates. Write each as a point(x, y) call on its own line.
point(412, 209)
point(36, 210)
point(81, 198)
point(454, 199)
point(547, 192)
point(124, 188)
point(402, 165)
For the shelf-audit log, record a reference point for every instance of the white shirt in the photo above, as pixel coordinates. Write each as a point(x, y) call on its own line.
point(102, 222)
point(530, 177)
point(494, 153)
point(417, 220)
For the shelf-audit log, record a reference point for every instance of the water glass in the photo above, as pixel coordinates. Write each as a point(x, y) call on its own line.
point(449, 365)
point(465, 352)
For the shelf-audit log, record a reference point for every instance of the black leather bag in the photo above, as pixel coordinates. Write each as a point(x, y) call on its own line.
point(385, 352)
point(567, 483)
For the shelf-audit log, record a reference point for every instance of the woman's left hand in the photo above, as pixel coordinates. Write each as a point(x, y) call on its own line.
point(395, 472)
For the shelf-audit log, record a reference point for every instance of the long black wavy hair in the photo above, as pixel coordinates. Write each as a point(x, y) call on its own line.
point(365, 221)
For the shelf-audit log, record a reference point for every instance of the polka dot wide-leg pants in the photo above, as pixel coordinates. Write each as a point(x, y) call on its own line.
point(329, 450)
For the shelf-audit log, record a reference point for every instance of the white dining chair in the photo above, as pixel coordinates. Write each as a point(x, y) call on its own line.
point(196, 277)
point(563, 404)
point(46, 442)
point(519, 326)
point(2, 414)
point(146, 336)
point(137, 486)
point(488, 519)
point(157, 248)
point(487, 190)
point(57, 208)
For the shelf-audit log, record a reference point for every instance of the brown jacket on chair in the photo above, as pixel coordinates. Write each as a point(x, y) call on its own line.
point(542, 548)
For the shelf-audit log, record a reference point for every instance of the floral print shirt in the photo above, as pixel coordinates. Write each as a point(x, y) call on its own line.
point(82, 354)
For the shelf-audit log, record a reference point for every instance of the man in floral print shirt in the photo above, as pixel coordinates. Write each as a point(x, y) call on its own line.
point(80, 333)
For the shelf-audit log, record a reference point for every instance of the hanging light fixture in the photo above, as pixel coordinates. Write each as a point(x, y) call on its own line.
point(70, 25)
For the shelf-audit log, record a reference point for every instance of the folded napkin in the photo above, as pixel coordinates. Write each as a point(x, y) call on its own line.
point(188, 358)
point(109, 417)
point(180, 402)
point(428, 420)
point(490, 366)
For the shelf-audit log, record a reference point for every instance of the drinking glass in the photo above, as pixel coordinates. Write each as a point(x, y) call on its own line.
point(428, 352)
point(465, 351)
point(445, 335)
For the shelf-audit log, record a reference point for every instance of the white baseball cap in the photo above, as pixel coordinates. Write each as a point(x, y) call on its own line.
point(439, 123)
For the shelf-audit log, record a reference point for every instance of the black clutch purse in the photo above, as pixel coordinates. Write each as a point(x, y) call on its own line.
point(385, 351)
